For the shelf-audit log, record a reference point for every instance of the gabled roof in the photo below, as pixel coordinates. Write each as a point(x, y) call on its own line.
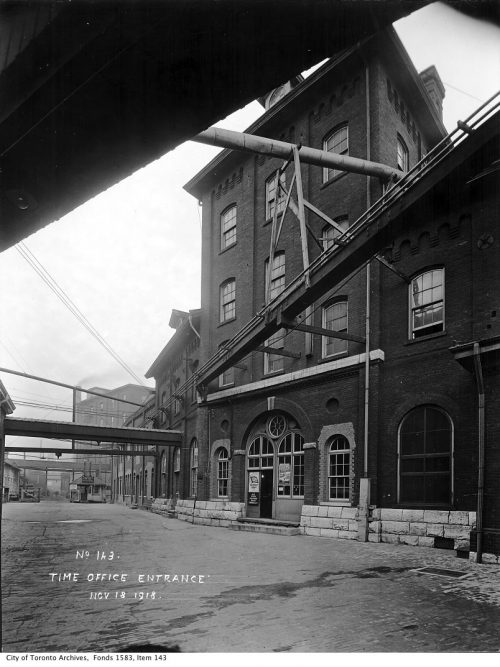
point(187, 328)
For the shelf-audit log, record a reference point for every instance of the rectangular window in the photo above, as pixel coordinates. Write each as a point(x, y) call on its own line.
point(427, 303)
point(334, 319)
point(228, 227)
point(277, 275)
point(336, 142)
point(403, 160)
point(228, 300)
point(330, 233)
point(271, 195)
point(274, 363)
point(339, 465)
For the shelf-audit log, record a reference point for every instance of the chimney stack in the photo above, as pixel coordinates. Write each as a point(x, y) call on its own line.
point(435, 88)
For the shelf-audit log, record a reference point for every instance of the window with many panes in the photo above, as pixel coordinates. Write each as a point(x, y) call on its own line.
point(261, 453)
point(226, 378)
point(330, 233)
point(291, 466)
point(194, 467)
point(274, 363)
point(334, 319)
point(339, 468)
point(228, 300)
point(427, 303)
point(271, 195)
point(336, 142)
point(177, 459)
point(222, 472)
point(425, 457)
point(403, 156)
point(277, 275)
point(228, 227)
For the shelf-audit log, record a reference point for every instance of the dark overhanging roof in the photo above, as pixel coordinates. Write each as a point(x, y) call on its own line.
point(92, 91)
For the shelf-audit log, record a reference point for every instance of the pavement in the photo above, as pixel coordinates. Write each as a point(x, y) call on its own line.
point(75, 579)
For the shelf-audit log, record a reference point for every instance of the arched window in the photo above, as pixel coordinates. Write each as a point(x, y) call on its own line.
point(291, 466)
point(339, 467)
point(425, 457)
point(194, 468)
point(177, 459)
point(336, 142)
point(228, 227)
point(228, 300)
point(163, 404)
point(330, 233)
point(222, 472)
point(427, 303)
point(403, 159)
point(335, 319)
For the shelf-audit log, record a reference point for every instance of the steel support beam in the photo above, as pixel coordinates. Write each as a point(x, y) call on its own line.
point(33, 428)
point(68, 450)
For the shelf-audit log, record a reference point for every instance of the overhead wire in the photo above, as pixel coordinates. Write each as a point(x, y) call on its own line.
point(38, 267)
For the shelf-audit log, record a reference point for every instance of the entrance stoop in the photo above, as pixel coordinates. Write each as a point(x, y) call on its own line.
point(269, 526)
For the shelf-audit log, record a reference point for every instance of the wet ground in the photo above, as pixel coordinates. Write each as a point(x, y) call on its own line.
point(102, 577)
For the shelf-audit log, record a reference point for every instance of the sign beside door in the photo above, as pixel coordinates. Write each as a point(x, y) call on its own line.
point(253, 488)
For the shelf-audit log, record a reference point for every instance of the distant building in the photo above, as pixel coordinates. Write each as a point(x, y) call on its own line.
point(107, 410)
point(11, 481)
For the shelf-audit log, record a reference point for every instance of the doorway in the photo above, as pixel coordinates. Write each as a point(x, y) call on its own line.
point(266, 494)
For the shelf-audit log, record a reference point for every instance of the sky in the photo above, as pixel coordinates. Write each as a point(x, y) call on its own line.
point(130, 255)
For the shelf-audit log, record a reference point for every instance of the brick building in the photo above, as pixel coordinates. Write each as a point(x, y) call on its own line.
point(310, 431)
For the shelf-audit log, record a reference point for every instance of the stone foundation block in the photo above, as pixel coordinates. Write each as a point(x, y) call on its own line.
point(389, 539)
point(310, 510)
point(462, 545)
point(435, 530)
point(411, 540)
point(341, 524)
point(395, 527)
point(391, 515)
point(322, 522)
point(425, 541)
point(328, 532)
point(461, 518)
point(315, 532)
point(224, 523)
point(457, 532)
point(323, 510)
point(334, 512)
point(413, 515)
point(349, 512)
point(436, 516)
point(472, 519)
point(418, 529)
point(374, 526)
point(375, 513)
point(373, 537)
point(353, 525)
point(305, 520)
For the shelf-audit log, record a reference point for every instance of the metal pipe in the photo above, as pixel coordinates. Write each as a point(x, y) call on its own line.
point(216, 136)
point(481, 443)
point(67, 386)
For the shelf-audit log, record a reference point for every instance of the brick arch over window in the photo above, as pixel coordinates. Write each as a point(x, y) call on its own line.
point(292, 409)
point(328, 433)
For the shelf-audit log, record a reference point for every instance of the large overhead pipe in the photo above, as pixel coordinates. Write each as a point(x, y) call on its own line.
point(216, 136)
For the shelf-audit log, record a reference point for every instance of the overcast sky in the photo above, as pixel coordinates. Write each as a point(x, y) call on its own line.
point(130, 255)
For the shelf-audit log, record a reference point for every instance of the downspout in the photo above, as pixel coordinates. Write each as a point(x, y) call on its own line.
point(481, 446)
point(190, 320)
point(364, 484)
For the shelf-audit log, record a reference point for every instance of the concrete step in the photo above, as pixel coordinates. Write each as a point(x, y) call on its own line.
point(269, 526)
